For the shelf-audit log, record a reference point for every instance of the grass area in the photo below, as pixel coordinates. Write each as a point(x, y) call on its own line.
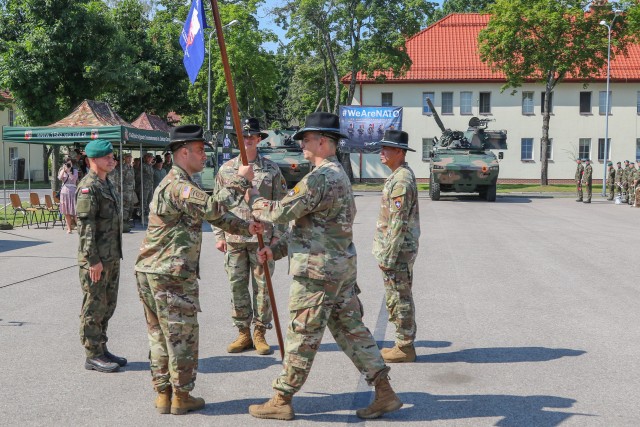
point(502, 188)
point(21, 219)
point(24, 185)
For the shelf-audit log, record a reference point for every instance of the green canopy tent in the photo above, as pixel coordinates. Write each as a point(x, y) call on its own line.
point(90, 120)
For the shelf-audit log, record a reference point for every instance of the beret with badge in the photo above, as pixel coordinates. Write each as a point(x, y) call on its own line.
point(98, 148)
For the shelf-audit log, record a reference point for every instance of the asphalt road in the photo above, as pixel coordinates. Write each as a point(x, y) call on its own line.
point(527, 313)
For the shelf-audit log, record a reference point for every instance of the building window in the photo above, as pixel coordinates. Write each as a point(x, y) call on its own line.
point(387, 99)
point(549, 149)
point(526, 149)
point(427, 145)
point(447, 103)
point(585, 102)
point(425, 106)
point(466, 102)
point(584, 148)
point(602, 102)
point(527, 103)
point(550, 102)
point(601, 150)
point(637, 149)
point(12, 116)
point(485, 102)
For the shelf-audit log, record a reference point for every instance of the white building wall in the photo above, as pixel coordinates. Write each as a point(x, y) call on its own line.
point(567, 125)
point(21, 151)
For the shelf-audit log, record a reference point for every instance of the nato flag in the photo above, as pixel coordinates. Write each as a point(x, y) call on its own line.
point(192, 40)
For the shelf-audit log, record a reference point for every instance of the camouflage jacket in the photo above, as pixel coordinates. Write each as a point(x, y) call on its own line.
point(114, 177)
point(588, 174)
point(98, 212)
point(619, 172)
point(633, 176)
point(625, 177)
point(128, 179)
point(147, 176)
point(579, 171)
point(270, 183)
point(174, 235)
point(320, 242)
point(611, 176)
point(398, 225)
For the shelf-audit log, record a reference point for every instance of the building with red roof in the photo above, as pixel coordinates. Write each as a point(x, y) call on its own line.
point(446, 67)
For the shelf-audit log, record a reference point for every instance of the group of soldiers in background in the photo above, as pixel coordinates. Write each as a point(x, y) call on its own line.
point(622, 183)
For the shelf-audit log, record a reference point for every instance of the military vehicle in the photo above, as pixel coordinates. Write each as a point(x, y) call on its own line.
point(462, 162)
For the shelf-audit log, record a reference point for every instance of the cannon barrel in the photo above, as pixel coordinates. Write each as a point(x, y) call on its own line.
point(435, 115)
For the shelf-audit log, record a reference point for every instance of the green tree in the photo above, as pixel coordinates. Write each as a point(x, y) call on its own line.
point(459, 6)
point(545, 41)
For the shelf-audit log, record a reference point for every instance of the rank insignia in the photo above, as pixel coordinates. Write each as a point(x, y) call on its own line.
point(397, 202)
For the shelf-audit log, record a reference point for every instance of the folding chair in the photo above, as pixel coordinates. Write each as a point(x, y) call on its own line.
point(56, 199)
point(53, 211)
point(34, 200)
point(16, 204)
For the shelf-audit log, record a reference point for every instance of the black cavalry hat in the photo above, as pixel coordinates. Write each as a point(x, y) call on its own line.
point(182, 135)
point(323, 123)
point(397, 139)
point(251, 126)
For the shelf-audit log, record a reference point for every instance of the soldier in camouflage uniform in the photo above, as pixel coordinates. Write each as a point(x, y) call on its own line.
point(99, 254)
point(625, 182)
point(611, 180)
point(587, 178)
point(147, 182)
point(168, 264)
point(579, 172)
point(128, 187)
point(322, 259)
point(618, 180)
point(632, 179)
point(395, 245)
point(241, 262)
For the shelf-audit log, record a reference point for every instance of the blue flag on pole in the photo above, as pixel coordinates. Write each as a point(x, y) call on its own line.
point(192, 40)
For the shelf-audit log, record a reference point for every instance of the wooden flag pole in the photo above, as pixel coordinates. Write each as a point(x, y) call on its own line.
point(235, 114)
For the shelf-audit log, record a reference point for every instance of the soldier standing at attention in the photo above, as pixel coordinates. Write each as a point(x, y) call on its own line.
point(611, 178)
point(579, 172)
point(168, 264)
point(395, 245)
point(625, 182)
point(168, 163)
point(99, 254)
point(241, 262)
point(618, 179)
point(632, 179)
point(147, 182)
point(322, 256)
point(128, 188)
point(587, 177)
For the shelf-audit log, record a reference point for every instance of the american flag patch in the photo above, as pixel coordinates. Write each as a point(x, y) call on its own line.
point(186, 191)
point(84, 191)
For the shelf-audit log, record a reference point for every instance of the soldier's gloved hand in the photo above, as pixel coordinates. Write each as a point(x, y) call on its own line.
point(256, 227)
point(246, 172)
point(221, 245)
point(264, 254)
point(95, 271)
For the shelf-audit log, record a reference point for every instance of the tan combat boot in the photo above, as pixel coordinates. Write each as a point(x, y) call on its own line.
point(182, 403)
point(384, 402)
point(277, 408)
point(163, 401)
point(259, 341)
point(399, 354)
point(242, 343)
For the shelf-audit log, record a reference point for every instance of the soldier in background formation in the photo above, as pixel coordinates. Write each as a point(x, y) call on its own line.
point(578, 178)
point(167, 269)
point(618, 181)
point(129, 194)
point(625, 183)
point(587, 180)
point(324, 292)
point(147, 183)
point(99, 254)
point(632, 179)
point(241, 262)
point(395, 245)
point(611, 180)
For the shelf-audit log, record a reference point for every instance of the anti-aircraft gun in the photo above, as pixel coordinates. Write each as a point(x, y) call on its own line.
point(462, 162)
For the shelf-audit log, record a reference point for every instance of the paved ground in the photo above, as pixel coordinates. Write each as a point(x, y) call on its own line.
point(527, 316)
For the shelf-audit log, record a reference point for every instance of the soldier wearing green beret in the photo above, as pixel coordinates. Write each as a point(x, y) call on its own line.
point(587, 179)
point(167, 269)
point(99, 254)
point(625, 182)
point(618, 180)
point(632, 179)
point(578, 178)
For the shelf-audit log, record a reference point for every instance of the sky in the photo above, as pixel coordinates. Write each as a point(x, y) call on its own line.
point(266, 22)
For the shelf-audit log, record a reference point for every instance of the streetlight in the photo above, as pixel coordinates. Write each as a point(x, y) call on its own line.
point(606, 120)
point(235, 21)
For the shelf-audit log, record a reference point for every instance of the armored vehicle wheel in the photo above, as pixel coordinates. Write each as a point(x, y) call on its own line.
point(491, 193)
point(434, 190)
point(482, 192)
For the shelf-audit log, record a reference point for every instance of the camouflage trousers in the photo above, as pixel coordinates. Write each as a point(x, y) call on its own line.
point(242, 266)
point(586, 189)
point(612, 191)
point(147, 195)
point(579, 191)
point(399, 299)
point(314, 305)
point(171, 307)
point(632, 195)
point(98, 305)
point(618, 190)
